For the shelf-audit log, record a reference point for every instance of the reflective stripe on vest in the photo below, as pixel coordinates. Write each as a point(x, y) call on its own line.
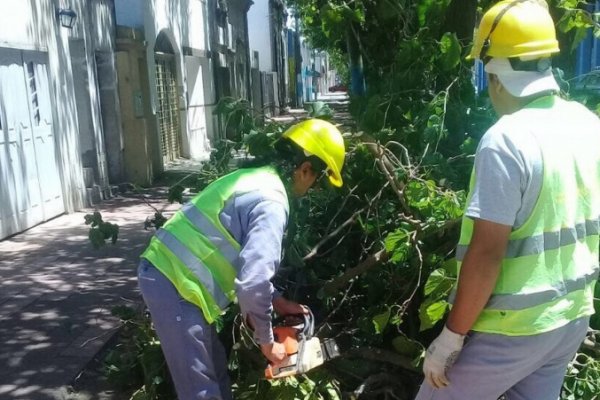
point(195, 265)
point(196, 252)
point(523, 301)
point(545, 241)
point(550, 267)
point(211, 232)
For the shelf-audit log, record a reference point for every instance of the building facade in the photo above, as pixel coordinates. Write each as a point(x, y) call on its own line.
point(267, 21)
point(179, 79)
point(195, 52)
point(60, 129)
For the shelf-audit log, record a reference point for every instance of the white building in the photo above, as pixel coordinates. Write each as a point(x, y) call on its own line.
point(59, 109)
point(259, 34)
point(267, 39)
point(180, 74)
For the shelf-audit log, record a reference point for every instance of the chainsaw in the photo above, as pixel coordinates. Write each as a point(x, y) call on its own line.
point(304, 350)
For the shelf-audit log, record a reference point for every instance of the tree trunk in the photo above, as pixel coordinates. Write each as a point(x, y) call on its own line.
point(460, 18)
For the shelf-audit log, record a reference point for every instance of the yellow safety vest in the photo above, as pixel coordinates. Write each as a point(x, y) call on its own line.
point(550, 267)
point(196, 252)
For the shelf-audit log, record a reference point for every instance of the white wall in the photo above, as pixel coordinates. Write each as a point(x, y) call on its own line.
point(259, 34)
point(185, 23)
point(198, 25)
point(32, 25)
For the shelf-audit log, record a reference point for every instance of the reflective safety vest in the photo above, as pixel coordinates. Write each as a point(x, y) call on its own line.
point(196, 252)
point(550, 268)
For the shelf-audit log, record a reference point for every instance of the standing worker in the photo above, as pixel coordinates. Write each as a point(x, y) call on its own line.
point(528, 249)
point(226, 243)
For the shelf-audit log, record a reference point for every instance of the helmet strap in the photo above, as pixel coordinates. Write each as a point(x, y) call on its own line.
point(487, 42)
point(538, 65)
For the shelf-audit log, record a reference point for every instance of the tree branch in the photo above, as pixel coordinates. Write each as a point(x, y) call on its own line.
point(368, 263)
point(333, 234)
point(380, 355)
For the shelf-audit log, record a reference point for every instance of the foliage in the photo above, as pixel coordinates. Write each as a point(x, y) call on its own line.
point(319, 109)
point(392, 201)
point(577, 19)
point(137, 363)
point(373, 259)
point(339, 63)
point(583, 374)
point(157, 221)
point(101, 231)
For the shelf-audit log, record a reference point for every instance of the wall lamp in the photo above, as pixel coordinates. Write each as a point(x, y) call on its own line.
point(66, 17)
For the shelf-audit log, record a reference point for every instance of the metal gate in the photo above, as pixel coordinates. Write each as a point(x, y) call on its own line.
point(168, 107)
point(30, 185)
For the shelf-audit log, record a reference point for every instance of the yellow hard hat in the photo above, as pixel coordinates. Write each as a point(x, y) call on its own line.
point(323, 140)
point(515, 28)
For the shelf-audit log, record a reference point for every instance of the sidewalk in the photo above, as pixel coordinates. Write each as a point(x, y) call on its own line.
point(57, 292)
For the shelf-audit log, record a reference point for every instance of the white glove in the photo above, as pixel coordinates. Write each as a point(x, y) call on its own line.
point(441, 355)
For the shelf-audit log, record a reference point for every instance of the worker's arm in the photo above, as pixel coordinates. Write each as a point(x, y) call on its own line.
point(264, 224)
point(478, 274)
point(502, 177)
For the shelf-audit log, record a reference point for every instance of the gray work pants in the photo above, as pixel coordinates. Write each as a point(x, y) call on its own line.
point(522, 367)
point(194, 354)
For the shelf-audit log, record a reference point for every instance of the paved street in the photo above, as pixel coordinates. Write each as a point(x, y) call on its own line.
point(56, 296)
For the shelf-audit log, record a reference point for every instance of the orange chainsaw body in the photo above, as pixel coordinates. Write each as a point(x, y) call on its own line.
point(303, 351)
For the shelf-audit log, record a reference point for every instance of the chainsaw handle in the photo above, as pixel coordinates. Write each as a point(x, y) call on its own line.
point(309, 324)
point(308, 329)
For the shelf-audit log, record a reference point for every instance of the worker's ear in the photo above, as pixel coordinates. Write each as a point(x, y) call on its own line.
point(303, 179)
point(306, 169)
point(305, 174)
point(495, 84)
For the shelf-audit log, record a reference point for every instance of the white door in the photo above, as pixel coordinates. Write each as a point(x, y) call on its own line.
point(30, 186)
point(40, 109)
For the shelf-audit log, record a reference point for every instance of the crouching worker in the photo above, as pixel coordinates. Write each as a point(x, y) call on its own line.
point(226, 244)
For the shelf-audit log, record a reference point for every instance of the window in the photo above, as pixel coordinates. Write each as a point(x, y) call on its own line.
point(33, 94)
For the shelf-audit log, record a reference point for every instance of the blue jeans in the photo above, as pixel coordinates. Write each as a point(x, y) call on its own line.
point(194, 354)
point(522, 367)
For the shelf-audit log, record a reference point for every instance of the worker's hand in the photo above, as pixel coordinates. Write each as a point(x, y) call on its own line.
point(441, 355)
point(275, 352)
point(283, 306)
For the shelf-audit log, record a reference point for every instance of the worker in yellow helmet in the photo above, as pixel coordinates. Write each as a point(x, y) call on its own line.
point(225, 245)
point(528, 249)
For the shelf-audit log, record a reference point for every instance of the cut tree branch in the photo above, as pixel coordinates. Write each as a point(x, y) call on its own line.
point(333, 234)
point(380, 355)
point(368, 263)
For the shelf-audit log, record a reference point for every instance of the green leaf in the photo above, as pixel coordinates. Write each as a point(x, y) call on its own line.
point(380, 321)
point(175, 194)
point(450, 50)
point(96, 238)
point(451, 267)
point(438, 282)
point(431, 11)
point(469, 146)
point(407, 347)
point(569, 3)
point(396, 243)
point(432, 312)
point(319, 109)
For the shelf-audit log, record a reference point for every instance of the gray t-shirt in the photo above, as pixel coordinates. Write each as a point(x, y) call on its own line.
point(508, 175)
point(509, 168)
